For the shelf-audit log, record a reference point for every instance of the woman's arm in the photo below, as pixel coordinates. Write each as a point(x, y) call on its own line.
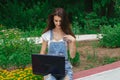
point(43, 47)
point(72, 48)
point(71, 45)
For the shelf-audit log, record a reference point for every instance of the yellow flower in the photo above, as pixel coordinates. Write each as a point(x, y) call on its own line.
point(19, 79)
point(1, 77)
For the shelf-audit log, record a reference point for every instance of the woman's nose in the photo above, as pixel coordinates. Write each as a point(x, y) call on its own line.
point(58, 23)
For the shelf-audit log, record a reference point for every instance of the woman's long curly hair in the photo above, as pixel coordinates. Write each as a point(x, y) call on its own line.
point(65, 23)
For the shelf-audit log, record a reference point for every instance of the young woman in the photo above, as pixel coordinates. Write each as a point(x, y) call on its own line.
point(59, 38)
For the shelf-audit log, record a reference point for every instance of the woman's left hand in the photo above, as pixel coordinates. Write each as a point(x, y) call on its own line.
point(69, 38)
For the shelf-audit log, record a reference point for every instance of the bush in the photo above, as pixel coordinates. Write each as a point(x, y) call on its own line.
point(111, 36)
point(15, 51)
point(86, 23)
point(76, 60)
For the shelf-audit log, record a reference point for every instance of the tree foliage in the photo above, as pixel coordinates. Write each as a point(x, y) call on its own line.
point(27, 14)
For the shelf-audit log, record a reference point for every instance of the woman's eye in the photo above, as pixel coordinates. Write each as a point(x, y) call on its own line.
point(57, 21)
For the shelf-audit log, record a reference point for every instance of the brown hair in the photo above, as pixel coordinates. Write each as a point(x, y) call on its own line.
point(65, 24)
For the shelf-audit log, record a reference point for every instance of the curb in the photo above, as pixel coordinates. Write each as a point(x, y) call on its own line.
point(38, 40)
point(92, 71)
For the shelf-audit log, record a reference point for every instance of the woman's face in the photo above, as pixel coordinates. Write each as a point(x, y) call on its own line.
point(57, 21)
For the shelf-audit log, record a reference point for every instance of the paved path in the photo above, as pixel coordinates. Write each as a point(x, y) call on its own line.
point(88, 37)
point(106, 72)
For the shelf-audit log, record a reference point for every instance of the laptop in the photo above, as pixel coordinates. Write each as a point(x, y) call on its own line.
point(45, 64)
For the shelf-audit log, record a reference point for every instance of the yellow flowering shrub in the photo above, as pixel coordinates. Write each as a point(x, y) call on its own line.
point(19, 74)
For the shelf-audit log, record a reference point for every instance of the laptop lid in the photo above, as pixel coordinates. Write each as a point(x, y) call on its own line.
point(45, 64)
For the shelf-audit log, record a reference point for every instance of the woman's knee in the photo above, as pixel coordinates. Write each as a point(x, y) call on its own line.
point(49, 77)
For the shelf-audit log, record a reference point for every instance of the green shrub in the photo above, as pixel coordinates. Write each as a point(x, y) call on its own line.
point(76, 60)
point(92, 20)
point(14, 50)
point(108, 60)
point(36, 32)
point(110, 36)
point(86, 23)
point(77, 29)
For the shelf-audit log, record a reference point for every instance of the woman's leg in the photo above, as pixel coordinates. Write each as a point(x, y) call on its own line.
point(66, 77)
point(49, 77)
point(69, 72)
point(69, 76)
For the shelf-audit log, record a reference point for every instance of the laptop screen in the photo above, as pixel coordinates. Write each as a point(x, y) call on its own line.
point(45, 64)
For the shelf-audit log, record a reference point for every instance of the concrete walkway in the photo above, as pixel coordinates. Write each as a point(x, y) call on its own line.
point(38, 40)
point(106, 72)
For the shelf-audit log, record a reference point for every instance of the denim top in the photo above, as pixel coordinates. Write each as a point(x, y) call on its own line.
point(57, 48)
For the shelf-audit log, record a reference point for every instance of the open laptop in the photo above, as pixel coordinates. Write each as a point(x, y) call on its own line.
point(45, 64)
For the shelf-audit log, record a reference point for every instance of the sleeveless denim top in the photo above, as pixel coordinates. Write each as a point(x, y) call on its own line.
point(58, 48)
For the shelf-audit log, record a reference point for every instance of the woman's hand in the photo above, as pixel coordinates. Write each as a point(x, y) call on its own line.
point(69, 38)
